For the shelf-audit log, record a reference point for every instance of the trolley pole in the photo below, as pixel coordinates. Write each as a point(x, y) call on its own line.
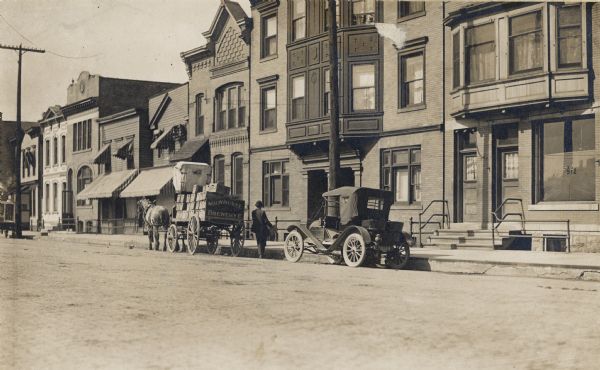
point(334, 150)
point(19, 137)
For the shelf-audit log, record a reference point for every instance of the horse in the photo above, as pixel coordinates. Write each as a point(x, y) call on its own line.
point(154, 217)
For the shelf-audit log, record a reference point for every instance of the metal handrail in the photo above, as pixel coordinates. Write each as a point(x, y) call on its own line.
point(445, 218)
point(500, 220)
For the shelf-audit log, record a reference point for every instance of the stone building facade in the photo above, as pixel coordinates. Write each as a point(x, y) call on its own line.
point(30, 172)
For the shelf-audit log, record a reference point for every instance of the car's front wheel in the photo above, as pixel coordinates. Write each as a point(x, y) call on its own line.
point(354, 250)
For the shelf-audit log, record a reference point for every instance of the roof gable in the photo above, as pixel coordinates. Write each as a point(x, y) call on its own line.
point(226, 10)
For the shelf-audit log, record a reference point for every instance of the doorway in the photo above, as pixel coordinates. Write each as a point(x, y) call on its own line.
point(467, 176)
point(318, 184)
point(505, 168)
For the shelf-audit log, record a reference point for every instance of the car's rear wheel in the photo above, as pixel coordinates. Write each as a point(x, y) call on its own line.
point(293, 246)
point(398, 257)
point(354, 250)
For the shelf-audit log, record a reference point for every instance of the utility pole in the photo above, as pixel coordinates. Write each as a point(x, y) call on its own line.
point(19, 136)
point(334, 150)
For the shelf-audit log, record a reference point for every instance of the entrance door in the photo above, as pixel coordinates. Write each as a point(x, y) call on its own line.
point(317, 185)
point(506, 172)
point(467, 177)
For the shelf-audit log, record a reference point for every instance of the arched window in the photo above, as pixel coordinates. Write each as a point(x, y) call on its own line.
point(237, 174)
point(230, 107)
point(84, 177)
point(219, 169)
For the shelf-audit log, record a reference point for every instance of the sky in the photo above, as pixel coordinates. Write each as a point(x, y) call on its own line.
point(135, 39)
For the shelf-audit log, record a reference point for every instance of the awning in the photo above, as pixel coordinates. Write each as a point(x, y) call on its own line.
point(125, 149)
point(107, 186)
point(103, 155)
point(150, 182)
point(188, 150)
point(159, 139)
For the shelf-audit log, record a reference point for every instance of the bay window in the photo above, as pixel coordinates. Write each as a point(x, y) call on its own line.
point(363, 87)
point(298, 93)
point(525, 42)
point(276, 183)
point(569, 36)
point(411, 80)
point(480, 53)
point(298, 19)
point(401, 173)
point(566, 160)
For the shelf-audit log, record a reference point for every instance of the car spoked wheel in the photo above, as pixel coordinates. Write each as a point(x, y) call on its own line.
point(293, 246)
point(354, 250)
point(398, 257)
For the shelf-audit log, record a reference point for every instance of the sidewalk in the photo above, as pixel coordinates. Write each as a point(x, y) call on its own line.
point(583, 266)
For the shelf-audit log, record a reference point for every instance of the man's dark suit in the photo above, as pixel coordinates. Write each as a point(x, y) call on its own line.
point(261, 228)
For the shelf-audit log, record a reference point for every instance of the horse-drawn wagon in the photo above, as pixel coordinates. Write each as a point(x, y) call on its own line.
point(203, 211)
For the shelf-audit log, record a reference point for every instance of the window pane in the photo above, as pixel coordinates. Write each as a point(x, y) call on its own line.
point(276, 190)
point(569, 161)
point(363, 75)
point(569, 36)
point(456, 59)
point(481, 52)
point(400, 157)
point(416, 184)
point(271, 26)
point(470, 168)
point(510, 165)
point(415, 156)
point(363, 99)
point(480, 34)
point(414, 93)
point(270, 99)
point(298, 87)
point(386, 158)
point(525, 23)
point(569, 15)
point(299, 28)
point(285, 196)
point(526, 42)
point(299, 9)
point(401, 185)
point(276, 168)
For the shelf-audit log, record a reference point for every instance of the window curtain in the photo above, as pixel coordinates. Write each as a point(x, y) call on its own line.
point(481, 53)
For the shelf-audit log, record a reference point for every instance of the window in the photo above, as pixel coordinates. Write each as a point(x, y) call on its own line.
point(456, 60)
point(237, 175)
point(82, 135)
point(408, 8)
point(269, 108)
point(569, 36)
point(566, 160)
point(412, 91)
point(402, 173)
point(480, 53)
point(54, 197)
point(33, 202)
point(47, 159)
point(84, 177)
point(63, 149)
point(276, 184)
point(55, 151)
point(230, 108)
point(298, 92)
point(24, 166)
point(525, 42)
point(219, 169)
point(47, 199)
point(470, 168)
point(298, 19)
point(510, 165)
point(269, 29)
point(363, 12)
point(363, 87)
point(337, 14)
point(199, 115)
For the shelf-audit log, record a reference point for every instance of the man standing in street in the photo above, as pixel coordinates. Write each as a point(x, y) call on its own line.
point(261, 227)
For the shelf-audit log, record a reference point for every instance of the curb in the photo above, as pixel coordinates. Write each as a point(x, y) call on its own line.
point(417, 263)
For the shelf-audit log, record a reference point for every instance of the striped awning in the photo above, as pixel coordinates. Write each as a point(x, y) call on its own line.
point(125, 149)
point(150, 182)
point(108, 186)
point(160, 139)
point(103, 155)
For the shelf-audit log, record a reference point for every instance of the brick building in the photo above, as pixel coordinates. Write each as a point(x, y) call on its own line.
point(391, 116)
point(90, 98)
point(522, 120)
point(219, 98)
point(30, 172)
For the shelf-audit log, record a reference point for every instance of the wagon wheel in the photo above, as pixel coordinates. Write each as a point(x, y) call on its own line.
point(192, 235)
point(354, 250)
point(172, 242)
point(236, 238)
point(398, 257)
point(293, 246)
point(212, 241)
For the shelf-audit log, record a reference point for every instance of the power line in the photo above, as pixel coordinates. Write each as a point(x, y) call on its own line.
point(48, 51)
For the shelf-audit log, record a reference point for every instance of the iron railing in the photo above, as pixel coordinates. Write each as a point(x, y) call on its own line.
point(445, 221)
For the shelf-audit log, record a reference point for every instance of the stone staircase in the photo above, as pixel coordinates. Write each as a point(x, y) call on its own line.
point(462, 236)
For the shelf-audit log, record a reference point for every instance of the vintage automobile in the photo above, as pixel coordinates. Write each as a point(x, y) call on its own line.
point(359, 231)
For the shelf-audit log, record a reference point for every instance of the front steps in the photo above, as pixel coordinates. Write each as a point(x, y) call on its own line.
point(463, 238)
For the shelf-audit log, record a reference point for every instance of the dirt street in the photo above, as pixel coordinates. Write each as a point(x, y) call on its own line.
point(73, 306)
